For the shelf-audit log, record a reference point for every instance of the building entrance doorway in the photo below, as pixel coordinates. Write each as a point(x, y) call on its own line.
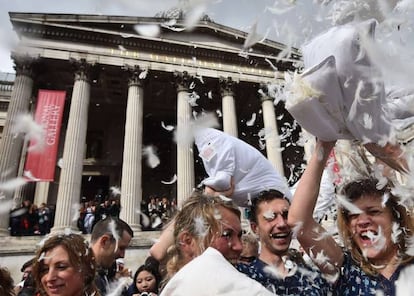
point(94, 188)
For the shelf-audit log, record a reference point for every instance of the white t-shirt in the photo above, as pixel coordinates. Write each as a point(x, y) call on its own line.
point(210, 274)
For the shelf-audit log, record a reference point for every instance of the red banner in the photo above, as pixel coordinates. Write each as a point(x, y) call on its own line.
point(40, 163)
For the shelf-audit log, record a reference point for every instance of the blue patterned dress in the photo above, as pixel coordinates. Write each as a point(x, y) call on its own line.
point(305, 281)
point(354, 281)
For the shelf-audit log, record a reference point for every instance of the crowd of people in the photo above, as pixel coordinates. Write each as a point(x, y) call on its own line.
point(91, 212)
point(30, 219)
point(159, 210)
point(205, 251)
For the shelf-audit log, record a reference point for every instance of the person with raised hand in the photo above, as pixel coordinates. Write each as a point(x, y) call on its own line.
point(375, 227)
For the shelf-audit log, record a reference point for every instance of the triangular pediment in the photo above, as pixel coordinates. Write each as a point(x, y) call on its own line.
point(121, 31)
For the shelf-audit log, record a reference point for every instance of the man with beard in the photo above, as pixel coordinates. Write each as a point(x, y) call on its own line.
point(278, 268)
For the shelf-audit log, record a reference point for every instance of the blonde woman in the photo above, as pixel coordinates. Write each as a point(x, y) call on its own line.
point(206, 236)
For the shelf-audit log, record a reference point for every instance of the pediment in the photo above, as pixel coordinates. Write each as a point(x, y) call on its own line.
point(120, 30)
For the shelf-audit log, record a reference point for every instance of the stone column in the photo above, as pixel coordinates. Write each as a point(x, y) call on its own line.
point(227, 86)
point(272, 136)
point(185, 159)
point(73, 152)
point(20, 193)
point(41, 193)
point(10, 145)
point(131, 188)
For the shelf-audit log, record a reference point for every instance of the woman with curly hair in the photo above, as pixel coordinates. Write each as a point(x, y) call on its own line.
point(65, 265)
point(374, 225)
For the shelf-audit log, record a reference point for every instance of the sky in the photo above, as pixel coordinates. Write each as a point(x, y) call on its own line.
point(240, 14)
point(292, 22)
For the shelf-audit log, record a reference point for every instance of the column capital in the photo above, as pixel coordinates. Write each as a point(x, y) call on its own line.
point(82, 69)
point(24, 65)
point(182, 80)
point(227, 86)
point(264, 92)
point(136, 75)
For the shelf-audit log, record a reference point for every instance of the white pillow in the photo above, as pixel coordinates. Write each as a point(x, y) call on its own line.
point(360, 81)
point(322, 115)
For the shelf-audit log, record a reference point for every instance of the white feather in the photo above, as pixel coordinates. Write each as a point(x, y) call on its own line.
point(194, 14)
point(13, 184)
point(252, 37)
point(378, 239)
point(117, 287)
point(274, 272)
point(410, 246)
point(172, 181)
point(157, 222)
point(167, 127)
point(251, 121)
point(396, 232)
point(349, 206)
point(143, 74)
point(60, 163)
point(6, 206)
point(29, 175)
point(148, 30)
point(320, 258)
point(279, 10)
point(152, 158)
point(200, 227)
point(24, 124)
point(297, 90)
point(112, 230)
point(367, 121)
point(298, 227)
point(18, 212)
point(145, 220)
point(115, 190)
point(384, 200)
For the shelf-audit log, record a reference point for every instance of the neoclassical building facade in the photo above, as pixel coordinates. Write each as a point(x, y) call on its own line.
point(123, 93)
